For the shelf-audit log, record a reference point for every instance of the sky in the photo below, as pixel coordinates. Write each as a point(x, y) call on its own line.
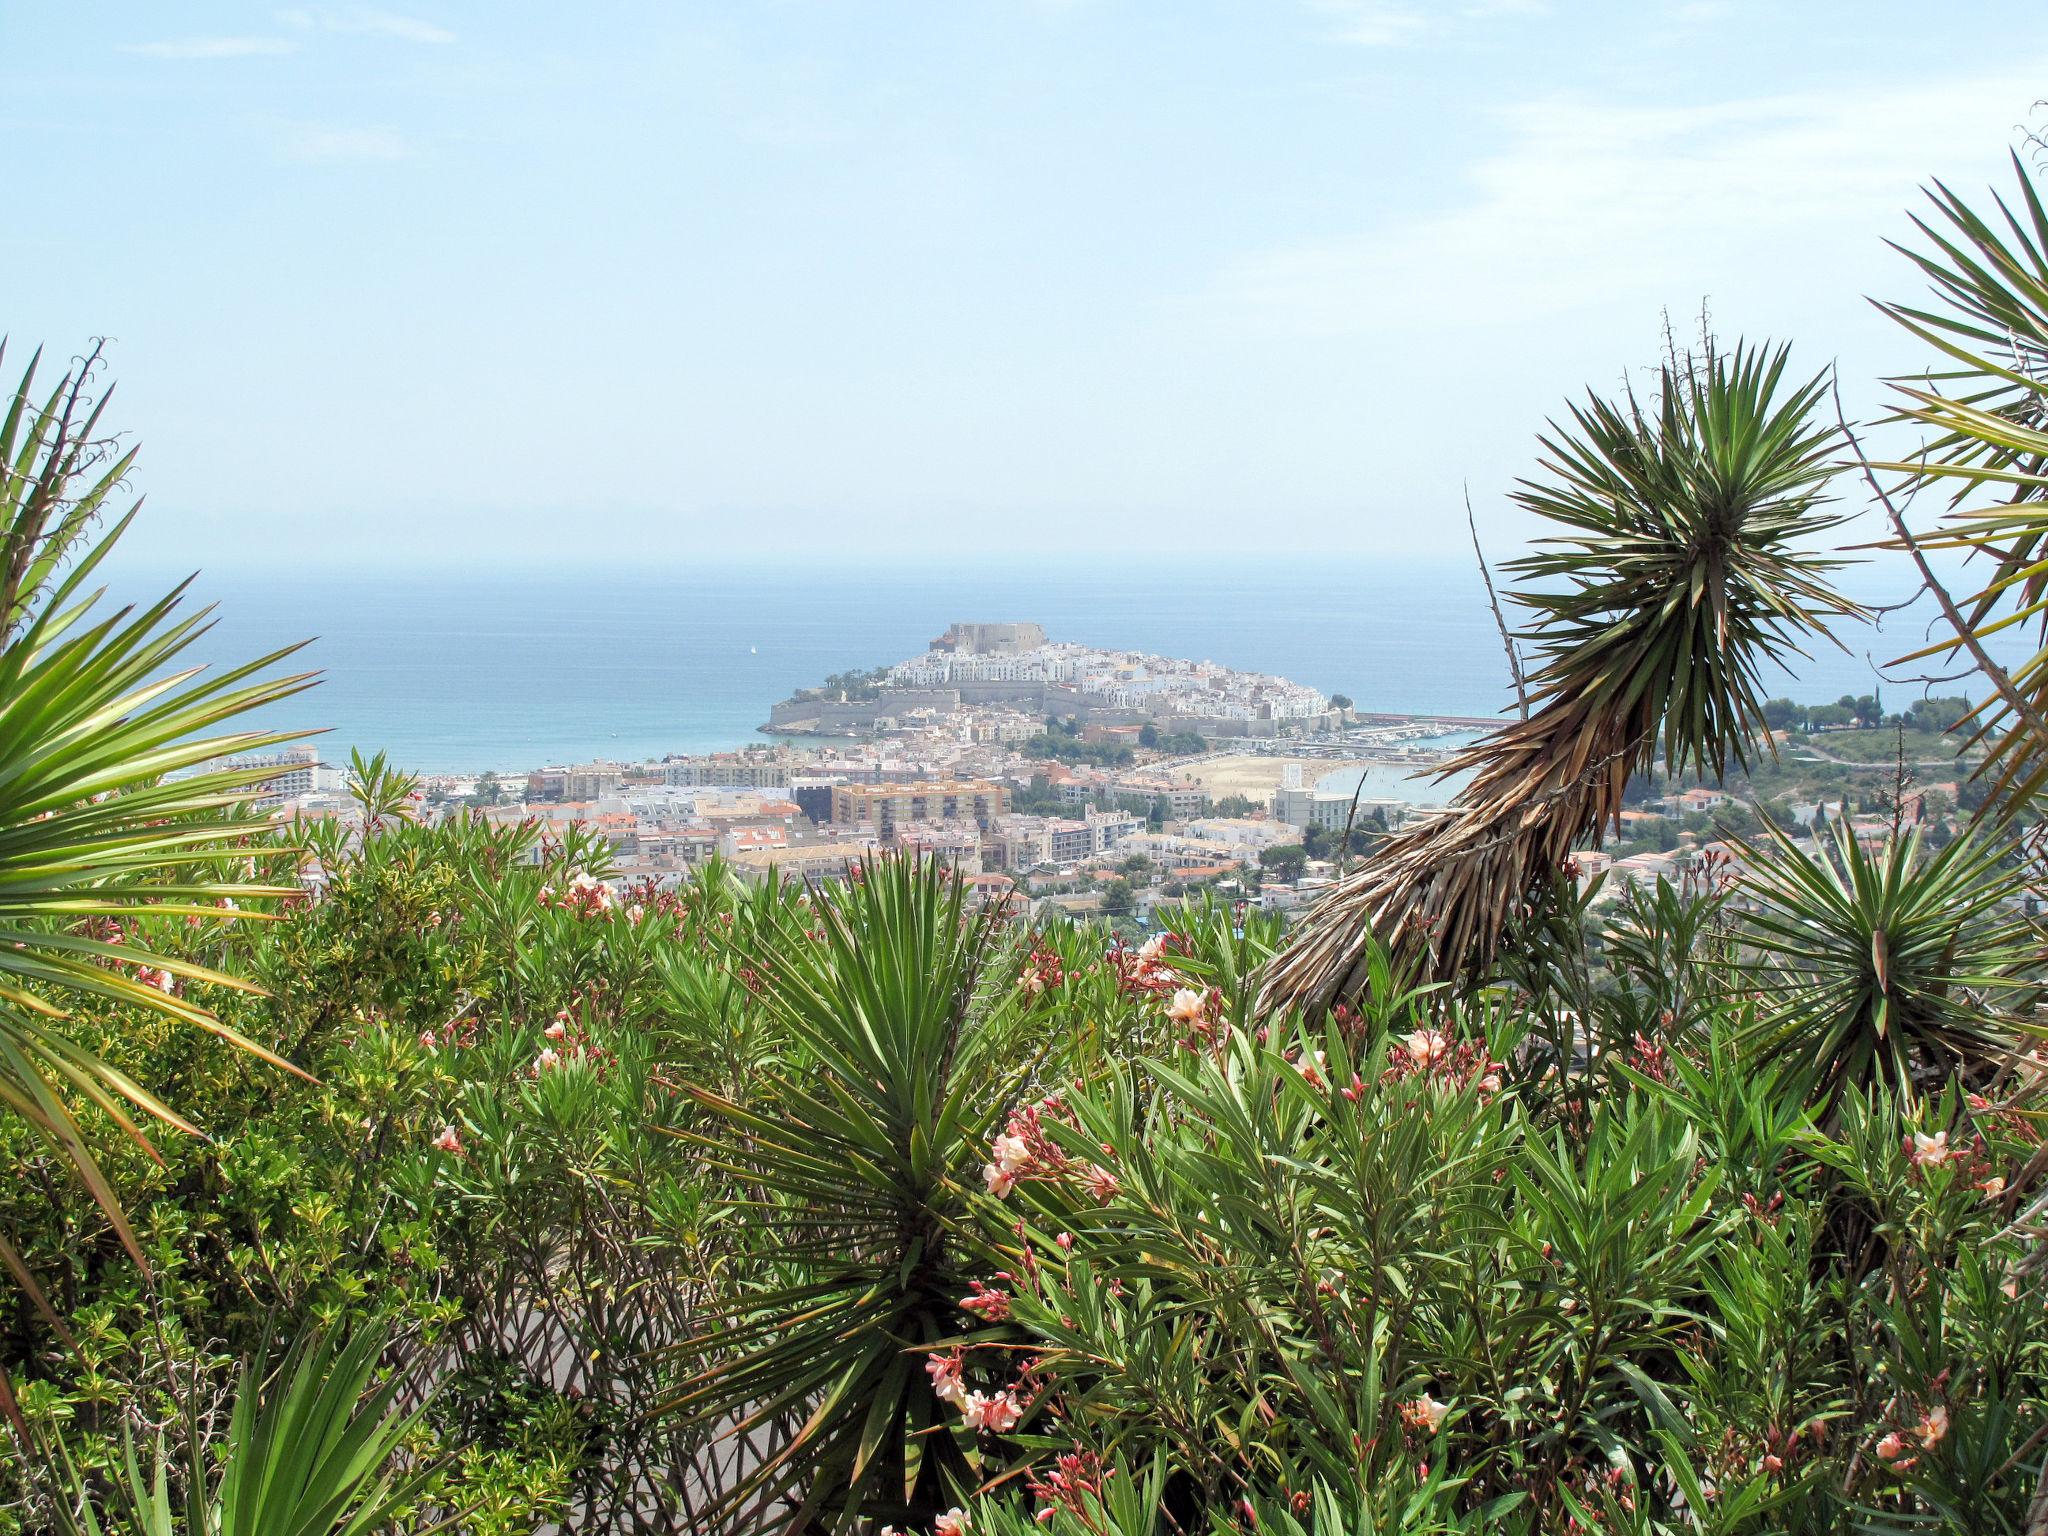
point(504, 284)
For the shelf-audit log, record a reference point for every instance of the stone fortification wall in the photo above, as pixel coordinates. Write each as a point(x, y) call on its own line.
point(859, 713)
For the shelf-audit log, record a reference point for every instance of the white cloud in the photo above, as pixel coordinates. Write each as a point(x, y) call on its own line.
point(346, 146)
point(213, 47)
point(364, 22)
point(1588, 205)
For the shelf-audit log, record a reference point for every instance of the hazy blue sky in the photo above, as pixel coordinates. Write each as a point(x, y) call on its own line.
point(517, 283)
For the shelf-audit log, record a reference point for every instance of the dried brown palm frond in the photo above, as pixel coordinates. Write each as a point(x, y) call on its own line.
point(1684, 566)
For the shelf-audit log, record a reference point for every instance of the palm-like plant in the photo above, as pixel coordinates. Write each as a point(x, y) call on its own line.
point(102, 821)
point(1987, 415)
point(1891, 964)
point(1681, 570)
point(856, 1155)
point(312, 1456)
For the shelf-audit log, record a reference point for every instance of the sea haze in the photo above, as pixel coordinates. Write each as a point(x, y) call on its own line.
point(451, 672)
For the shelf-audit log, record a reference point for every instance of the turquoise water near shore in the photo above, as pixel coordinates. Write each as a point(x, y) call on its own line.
point(452, 672)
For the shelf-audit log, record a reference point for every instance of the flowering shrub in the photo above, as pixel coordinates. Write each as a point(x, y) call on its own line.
point(1121, 1256)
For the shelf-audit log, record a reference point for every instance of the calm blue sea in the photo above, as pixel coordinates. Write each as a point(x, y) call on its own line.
point(450, 672)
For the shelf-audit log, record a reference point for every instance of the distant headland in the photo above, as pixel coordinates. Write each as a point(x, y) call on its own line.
point(998, 678)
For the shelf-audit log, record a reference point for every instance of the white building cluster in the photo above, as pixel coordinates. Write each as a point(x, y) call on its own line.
point(1130, 679)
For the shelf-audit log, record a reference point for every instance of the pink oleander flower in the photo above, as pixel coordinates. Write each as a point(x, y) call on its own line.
point(1425, 1412)
point(1426, 1047)
point(1891, 1447)
point(556, 1031)
point(1065, 1241)
point(1993, 1187)
point(1011, 1153)
point(448, 1141)
point(1928, 1151)
point(995, 1412)
point(1102, 1184)
point(545, 1060)
point(952, 1523)
point(946, 1372)
point(990, 1306)
point(1152, 948)
point(1187, 1006)
point(1934, 1425)
point(428, 1040)
point(998, 1180)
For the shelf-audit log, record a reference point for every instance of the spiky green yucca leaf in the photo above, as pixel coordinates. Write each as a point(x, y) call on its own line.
point(96, 831)
point(856, 1160)
point(1684, 566)
point(1893, 964)
point(309, 1456)
point(1987, 416)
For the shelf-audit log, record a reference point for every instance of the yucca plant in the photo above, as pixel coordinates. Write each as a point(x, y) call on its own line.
point(1893, 965)
point(893, 1064)
point(1683, 568)
point(1987, 416)
point(111, 813)
point(310, 1455)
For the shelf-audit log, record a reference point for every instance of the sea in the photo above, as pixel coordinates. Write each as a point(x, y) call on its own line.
point(457, 672)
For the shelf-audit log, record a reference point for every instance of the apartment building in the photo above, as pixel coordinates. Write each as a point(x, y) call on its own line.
point(808, 861)
point(889, 806)
point(298, 773)
point(725, 770)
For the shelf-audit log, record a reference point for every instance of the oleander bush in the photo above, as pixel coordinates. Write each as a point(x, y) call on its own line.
point(1399, 1269)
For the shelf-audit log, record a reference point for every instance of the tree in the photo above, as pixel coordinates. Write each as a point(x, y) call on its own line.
point(1116, 896)
point(1932, 714)
point(1879, 967)
point(882, 1126)
point(113, 809)
point(1148, 735)
point(1286, 861)
point(1683, 567)
point(1340, 701)
point(1784, 715)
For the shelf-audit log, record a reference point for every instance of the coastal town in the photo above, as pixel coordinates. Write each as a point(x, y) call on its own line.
point(1091, 784)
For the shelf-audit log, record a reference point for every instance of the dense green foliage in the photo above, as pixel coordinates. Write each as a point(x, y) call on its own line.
point(1059, 747)
point(585, 1156)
